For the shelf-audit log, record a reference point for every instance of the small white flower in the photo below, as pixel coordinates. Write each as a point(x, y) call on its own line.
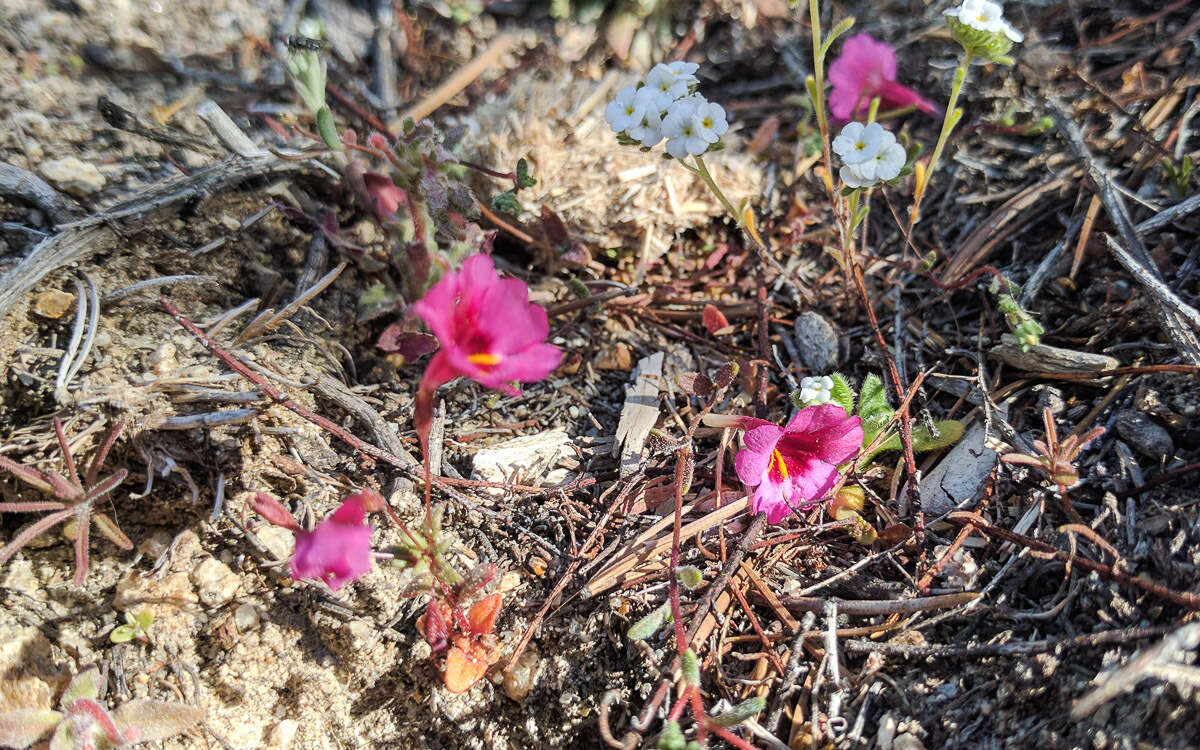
point(884, 164)
point(857, 142)
point(853, 179)
point(668, 85)
point(626, 110)
point(709, 119)
point(889, 161)
point(681, 68)
point(985, 16)
point(649, 131)
point(680, 130)
point(816, 390)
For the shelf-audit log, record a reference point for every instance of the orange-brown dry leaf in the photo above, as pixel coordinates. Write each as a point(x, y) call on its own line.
point(483, 614)
point(466, 663)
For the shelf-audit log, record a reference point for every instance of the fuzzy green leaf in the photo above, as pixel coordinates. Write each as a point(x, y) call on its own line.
point(86, 684)
point(838, 30)
point(949, 432)
point(155, 720)
point(689, 576)
point(672, 737)
point(648, 625)
point(742, 711)
point(872, 402)
point(26, 726)
point(690, 664)
point(841, 393)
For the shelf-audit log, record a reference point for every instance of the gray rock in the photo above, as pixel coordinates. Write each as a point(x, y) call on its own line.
point(79, 178)
point(1144, 435)
point(962, 472)
point(816, 342)
point(215, 583)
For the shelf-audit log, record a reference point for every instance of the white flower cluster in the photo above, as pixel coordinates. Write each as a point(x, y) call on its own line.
point(870, 154)
point(665, 105)
point(816, 390)
point(985, 15)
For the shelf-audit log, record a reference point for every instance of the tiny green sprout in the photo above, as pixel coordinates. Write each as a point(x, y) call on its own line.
point(136, 626)
point(689, 576)
point(690, 665)
point(1178, 176)
point(524, 179)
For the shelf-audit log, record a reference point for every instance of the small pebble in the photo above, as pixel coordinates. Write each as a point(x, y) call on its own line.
point(53, 304)
point(816, 343)
point(245, 617)
point(79, 178)
point(1145, 436)
point(215, 583)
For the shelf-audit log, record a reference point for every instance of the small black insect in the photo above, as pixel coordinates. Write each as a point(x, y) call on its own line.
point(305, 43)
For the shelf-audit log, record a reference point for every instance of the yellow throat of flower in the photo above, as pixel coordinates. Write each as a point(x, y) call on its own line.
point(484, 359)
point(778, 462)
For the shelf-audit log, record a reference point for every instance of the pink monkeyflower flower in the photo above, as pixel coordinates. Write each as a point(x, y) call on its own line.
point(489, 331)
point(338, 550)
point(867, 69)
point(385, 197)
point(794, 466)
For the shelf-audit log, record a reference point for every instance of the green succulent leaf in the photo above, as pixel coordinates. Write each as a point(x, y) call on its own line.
point(86, 684)
point(690, 664)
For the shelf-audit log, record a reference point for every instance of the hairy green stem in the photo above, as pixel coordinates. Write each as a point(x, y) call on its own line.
point(951, 119)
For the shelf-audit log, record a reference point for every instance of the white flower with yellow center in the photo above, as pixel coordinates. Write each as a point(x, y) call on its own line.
point(985, 16)
point(858, 142)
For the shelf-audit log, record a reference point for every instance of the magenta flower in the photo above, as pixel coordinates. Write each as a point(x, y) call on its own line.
point(488, 329)
point(338, 550)
point(867, 69)
point(793, 466)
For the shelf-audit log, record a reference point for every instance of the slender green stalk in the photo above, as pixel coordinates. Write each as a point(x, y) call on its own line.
point(702, 170)
point(814, 14)
point(953, 115)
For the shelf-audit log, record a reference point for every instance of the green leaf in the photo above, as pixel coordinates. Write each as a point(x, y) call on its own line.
point(841, 394)
point(949, 432)
point(872, 401)
point(25, 726)
point(672, 737)
point(123, 634)
point(690, 664)
point(506, 202)
point(742, 711)
point(327, 129)
point(144, 619)
point(524, 180)
point(648, 625)
point(86, 684)
point(689, 576)
point(838, 30)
